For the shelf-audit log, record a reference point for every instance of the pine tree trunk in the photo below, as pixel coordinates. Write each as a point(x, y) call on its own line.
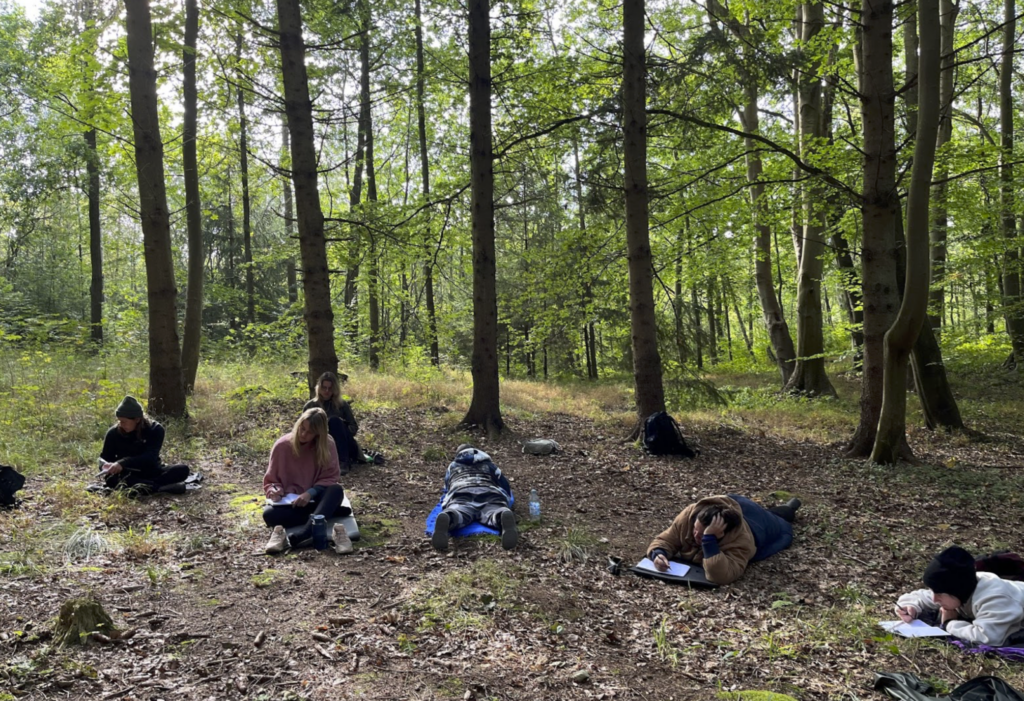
point(890, 441)
point(809, 375)
point(243, 154)
point(92, 169)
point(880, 209)
point(166, 386)
point(485, 406)
point(191, 341)
point(289, 214)
point(650, 393)
point(1013, 303)
point(316, 282)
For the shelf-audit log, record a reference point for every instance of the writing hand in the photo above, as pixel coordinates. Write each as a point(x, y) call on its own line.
point(907, 613)
point(112, 468)
point(661, 563)
point(302, 499)
point(716, 527)
point(275, 493)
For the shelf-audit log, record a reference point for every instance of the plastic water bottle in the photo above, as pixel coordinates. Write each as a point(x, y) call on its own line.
point(534, 505)
point(319, 532)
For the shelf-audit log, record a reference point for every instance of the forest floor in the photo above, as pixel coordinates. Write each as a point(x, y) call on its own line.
point(215, 618)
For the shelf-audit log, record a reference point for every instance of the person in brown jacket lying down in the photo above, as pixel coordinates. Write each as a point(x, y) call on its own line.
point(724, 533)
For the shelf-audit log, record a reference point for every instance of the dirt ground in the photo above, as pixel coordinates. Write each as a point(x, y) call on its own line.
point(215, 618)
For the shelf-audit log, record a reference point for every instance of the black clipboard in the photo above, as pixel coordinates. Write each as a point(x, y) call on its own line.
point(695, 577)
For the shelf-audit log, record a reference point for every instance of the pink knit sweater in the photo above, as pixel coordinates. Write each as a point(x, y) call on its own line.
point(296, 474)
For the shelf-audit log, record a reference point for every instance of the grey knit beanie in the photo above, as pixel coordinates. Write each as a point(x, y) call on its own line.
point(129, 408)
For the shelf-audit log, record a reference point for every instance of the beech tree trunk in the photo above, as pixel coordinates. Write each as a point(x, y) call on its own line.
point(421, 120)
point(166, 388)
point(647, 378)
point(193, 206)
point(890, 441)
point(1013, 303)
point(356, 193)
point(373, 276)
point(485, 406)
point(774, 318)
point(809, 375)
point(316, 282)
point(92, 170)
point(879, 208)
point(243, 154)
point(948, 10)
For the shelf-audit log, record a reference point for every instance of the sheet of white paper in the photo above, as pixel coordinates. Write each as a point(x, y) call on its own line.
point(285, 500)
point(914, 629)
point(676, 569)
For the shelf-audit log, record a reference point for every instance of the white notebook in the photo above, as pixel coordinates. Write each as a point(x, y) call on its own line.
point(915, 629)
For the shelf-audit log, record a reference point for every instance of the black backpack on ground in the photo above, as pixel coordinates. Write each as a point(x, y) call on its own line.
point(10, 482)
point(662, 436)
point(1004, 564)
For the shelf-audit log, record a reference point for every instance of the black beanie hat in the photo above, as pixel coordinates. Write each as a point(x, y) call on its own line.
point(129, 408)
point(952, 572)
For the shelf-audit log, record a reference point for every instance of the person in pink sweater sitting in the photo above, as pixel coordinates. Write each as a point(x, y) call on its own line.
point(302, 482)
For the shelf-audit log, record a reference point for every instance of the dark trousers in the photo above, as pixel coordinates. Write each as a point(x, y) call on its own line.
point(329, 504)
point(148, 481)
point(786, 513)
point(349, 451)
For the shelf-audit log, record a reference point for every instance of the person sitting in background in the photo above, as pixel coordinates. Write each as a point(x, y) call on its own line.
point(978, 607)
point(723, 534)
point(341, 423)
point(475, 490)
point(130, 458)
point(303, 478)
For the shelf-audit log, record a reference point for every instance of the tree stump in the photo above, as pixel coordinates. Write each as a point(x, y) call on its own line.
point(78, 619)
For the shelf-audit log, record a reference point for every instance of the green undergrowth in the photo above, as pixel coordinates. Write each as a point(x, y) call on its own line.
point(466, 598)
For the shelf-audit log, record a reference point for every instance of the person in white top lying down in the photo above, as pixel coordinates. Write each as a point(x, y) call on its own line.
point(977, 607)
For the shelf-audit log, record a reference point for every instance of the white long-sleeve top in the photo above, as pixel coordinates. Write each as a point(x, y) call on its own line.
point(993, 613)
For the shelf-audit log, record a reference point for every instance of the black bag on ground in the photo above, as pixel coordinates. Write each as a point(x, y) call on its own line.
point(907, 687)
point(1004, 564)
point(10, 482)
point(662, 436)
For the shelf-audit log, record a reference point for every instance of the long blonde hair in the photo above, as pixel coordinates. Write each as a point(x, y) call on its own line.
point(336, 396)
point(316, 421)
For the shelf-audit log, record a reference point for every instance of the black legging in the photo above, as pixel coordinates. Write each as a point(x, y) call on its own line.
point(348, 450)
point(164, 475)
point(329, 505)
point(785, 512)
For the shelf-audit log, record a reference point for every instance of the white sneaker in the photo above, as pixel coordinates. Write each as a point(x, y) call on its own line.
point(278, 542)
point(342, 543)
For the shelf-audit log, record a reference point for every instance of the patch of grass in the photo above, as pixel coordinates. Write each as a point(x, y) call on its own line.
point(577, 546)
point(667, 650)
point(20, 564)
point(434, 454)
point(247, 509)
point(141, 543)
point(84, 544)
point(266, 578)
point(375, 530)
point(466, 598)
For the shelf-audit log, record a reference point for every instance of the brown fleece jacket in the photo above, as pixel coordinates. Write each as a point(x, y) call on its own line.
point(736, 547)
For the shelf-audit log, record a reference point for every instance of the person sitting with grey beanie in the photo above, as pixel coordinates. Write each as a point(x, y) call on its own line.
point(978, 607)
point(130, 458)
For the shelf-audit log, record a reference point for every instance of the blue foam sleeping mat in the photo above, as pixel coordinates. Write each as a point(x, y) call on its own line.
point(475, 528)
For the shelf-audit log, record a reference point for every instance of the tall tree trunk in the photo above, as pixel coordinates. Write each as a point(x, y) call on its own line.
point(890, 441)
point(880, 208)
point(243, 154)
point(650, 393)
point(948, 10)
point(421, 120)
point(774, 318)
point(485, 406)
point(193, 205)
point(316, 281)
point(366, 117)
point(289, 214)
point(851, 296)
point(92, 169)
point(166, 388)
point(809, 375)
point(697, 330)
point(1013, 303)
point(356, 192)
point(713, 332)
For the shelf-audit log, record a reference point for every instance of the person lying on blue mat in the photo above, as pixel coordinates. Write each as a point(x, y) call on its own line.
point(475, 490)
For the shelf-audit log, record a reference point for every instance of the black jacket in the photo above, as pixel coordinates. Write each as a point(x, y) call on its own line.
point(138, 451)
